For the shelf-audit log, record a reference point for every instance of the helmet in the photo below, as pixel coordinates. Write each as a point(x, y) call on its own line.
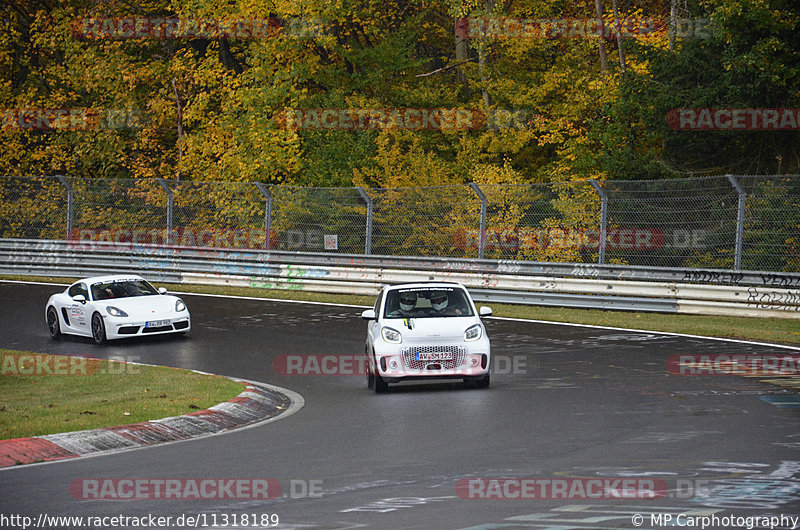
point(439, 301)
point(408, 301)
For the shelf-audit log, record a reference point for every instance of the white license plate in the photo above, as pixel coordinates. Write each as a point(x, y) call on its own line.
point(435, 356)
point(157, 323)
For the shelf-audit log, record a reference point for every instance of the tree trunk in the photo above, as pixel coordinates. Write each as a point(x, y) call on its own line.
point(487, 99)
point(619, 38)
point(672, 21)
point(180, 126)
point(598, 9)
point(462, 54)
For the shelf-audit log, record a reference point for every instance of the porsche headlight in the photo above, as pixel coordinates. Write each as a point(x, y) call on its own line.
point(180, 306)
point(472, 333)
point(391, 335)
point(115, 311)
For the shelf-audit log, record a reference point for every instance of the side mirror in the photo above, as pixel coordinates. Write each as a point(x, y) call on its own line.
point(162, 290)
point(485, 311)
point(369, 314)
point(79, 298)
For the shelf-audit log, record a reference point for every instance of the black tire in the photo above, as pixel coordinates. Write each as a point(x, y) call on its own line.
point(370, 375)
point(478, 383)
point(53, 324)
point(98, 329)
point(381, 386)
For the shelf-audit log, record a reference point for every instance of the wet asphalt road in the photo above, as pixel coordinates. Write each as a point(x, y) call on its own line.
point(565, 402)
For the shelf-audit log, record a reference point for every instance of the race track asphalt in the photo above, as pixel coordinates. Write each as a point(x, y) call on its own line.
point(565, 403)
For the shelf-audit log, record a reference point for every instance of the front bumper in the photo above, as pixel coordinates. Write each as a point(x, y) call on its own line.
point(434, 361)
point(118, 328)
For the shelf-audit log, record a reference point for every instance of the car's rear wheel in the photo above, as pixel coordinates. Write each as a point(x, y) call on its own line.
point(53, 325)
point(98, 329)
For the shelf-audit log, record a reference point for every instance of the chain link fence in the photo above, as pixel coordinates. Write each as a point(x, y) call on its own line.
point(727, 222)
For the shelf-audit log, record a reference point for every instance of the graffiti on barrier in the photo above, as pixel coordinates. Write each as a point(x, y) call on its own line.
point(700, 276)
point(783, 301)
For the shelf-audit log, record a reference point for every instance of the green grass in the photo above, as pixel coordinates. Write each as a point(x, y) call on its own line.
point(97, 393)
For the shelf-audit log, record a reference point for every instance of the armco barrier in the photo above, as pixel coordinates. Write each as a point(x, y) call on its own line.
point(693, 291)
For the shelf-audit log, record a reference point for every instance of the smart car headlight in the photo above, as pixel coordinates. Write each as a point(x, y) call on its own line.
point(473, 332)
point(391, 335)
point(115, 311)
point(180, 306)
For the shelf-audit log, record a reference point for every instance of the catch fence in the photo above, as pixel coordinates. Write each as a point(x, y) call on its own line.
point(724, 222)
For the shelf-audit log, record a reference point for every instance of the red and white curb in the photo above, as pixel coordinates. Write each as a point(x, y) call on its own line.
point(259, 403)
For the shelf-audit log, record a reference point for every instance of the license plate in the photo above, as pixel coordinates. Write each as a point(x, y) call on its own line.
point(157, 323)
point(435, 356)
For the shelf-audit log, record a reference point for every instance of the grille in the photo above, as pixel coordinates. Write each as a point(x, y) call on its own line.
point(410, 356)
point(156, 330)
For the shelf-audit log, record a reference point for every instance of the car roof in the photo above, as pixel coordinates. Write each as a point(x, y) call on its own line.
point(109, 278)
point(423, 285)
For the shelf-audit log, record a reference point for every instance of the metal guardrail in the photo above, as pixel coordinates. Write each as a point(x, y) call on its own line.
point(695, 291)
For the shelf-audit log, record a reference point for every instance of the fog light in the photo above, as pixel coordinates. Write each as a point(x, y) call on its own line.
point(474, 361)
point(393, 364)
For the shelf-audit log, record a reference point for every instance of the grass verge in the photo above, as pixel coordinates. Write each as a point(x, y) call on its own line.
point(75, 394)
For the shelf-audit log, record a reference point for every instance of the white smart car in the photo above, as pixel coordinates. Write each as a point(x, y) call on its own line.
point(115, 307)
point(426, 331)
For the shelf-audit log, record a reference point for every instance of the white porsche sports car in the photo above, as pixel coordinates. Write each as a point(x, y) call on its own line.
point(115, 307)
point(426, 331)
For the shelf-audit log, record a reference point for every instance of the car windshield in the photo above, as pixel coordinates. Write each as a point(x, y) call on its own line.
point(121, 289)
point(427, 302)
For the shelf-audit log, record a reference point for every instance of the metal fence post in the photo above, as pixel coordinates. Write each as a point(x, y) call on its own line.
point(368, 243)
point(265, 191)
point(168, 191)
point(601, 258)
point(482, 236)
point(737, 257)
point(70, 201)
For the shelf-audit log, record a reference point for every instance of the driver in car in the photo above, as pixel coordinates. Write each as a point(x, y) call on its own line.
point(441, 307)
point(407, 306)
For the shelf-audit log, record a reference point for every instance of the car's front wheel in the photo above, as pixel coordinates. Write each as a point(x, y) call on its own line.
point(381, 386)
point(483, 382)
point(98, 329)
point(53, 325)
point(375, 381)
point(370, 375)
